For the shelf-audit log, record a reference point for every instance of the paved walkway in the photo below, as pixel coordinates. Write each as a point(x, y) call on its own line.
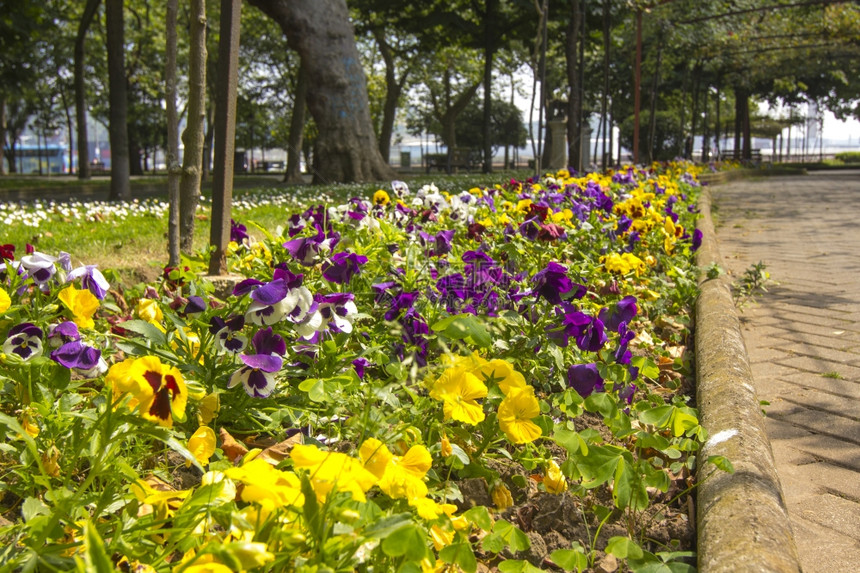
point(803, 339)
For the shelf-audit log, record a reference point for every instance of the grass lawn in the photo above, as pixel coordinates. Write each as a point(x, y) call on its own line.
point(130, 238)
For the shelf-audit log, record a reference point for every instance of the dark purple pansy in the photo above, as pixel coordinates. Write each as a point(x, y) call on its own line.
point(194, 306)
point(24, 340)
point(257, 376)
point(342, 267)
point(238, 231)
point(63, 333)
point(77, 355)
point(697, 239)
point(585, 379)
point(91, 279)
point(360, 364)
point(266, 341)
point(621, 312)
point(552, 282)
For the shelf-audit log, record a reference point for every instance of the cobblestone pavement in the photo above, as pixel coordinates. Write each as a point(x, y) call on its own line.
point(803, 340)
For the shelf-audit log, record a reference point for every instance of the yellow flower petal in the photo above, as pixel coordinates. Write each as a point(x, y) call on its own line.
point(82, 303)
point(516, 413)
point(5, 301)
point(202, 445)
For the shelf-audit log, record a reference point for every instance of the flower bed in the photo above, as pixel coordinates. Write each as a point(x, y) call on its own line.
point(418, 380)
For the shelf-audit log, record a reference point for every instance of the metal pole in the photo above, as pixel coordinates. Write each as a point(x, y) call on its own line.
point(225, 134)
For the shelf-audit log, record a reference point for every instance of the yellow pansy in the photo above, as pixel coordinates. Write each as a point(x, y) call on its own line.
point(333, 471)
point(381, 198)
point(202, 445)
point(5, 301)
point(82, 303)
point(554, 480)
point(267, 486)
point(208, 407)
point(162, 391)
point(430, 509)
point(516, 413)
point(399, 476)
point(147, 309)
point(503, 373)
point(459, 391)
point(502, 497)
point(121, 382)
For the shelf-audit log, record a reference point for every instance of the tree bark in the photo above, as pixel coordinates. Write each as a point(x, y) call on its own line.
point(172, 160)
point(2, 133)
point(490, 31)
point(393, 91)
point(80, 89)
point(120, 186)
point(320, 31)
point(574, 100)
point(192, 137)
point(293, 173)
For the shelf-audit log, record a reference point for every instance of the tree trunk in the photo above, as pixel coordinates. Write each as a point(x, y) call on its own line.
point(192, 137)
point(80, 89)
point(490, 31)
point(744, 98)
point(120, 186)
point(604, 111)
point(135, 154)
point(320, 31)
point(574, 100)
point(207, 139)
point(293, 173)
point(393, 91)
point(2, 133)
point(652, 127)
point(174, 170)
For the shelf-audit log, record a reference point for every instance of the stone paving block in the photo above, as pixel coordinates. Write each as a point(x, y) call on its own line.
point(816, 352)
point(816, 382)
point(836, 341)
point(822, 366)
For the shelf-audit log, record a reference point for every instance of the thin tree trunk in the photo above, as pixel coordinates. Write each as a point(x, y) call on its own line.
point(393, 91)
point(120, 186)
point(297, 127)
point(490, 29)
point(80, 89)
point(695, 111)
point(652, 127)
point(192, 137)
point(574, 101)
point(174, 169)
point(2, 133)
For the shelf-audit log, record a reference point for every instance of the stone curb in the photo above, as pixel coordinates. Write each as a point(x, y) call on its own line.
point(742, 521)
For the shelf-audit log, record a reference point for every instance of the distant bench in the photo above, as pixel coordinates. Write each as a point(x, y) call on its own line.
point(464, 158)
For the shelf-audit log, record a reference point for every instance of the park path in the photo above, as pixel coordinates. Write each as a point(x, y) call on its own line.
point(803, 340)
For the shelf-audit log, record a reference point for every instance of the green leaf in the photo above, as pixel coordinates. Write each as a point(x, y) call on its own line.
point(682, 422)
point(570, 559)
point(646, 366)
point(460, 554)
point(408, 541)
point(32, 507)
point(315, 388)
point(723, 463)
point(311, 511)
point(518, 566)
point(659, 416)
point(146, 329)
point(385, 526)
point(95, 556)
point(601, 402)
point(480, 516)
point(571, 441)
point(629, 488)
point(464, 327)
point(598, 467)
point(623, 548)
point(513, 536)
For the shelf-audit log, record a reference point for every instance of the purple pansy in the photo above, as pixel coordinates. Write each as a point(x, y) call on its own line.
point(238, 231)
point(342, 267)
point(227, 333)
point(40, 267)
point(194, 306)
point(258, 374)
point(63, 333)
point(621, 312)
point(552, 282)
point(697, 239)
point(91, 279)
point(24, 340)
point(86, 359)
point(585, 379)
point(360, 364)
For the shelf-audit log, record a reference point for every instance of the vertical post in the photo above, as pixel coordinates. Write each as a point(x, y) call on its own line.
point(636, 78)
point(225, 134)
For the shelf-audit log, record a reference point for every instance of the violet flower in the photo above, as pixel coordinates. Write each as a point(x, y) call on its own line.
point(24, 340)
point(552, 282)
point(91, 279)
point(342, 267)
point(621, 312)
point(585, 379)
point(86, 359)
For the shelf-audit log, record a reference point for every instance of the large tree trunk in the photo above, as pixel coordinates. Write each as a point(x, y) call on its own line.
point(192, 137)
point(320, 31)
point(120, 186)
point(574, 101)
point(80, 89)
point(2, 133)
point(172, 160)
point(293, 172)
